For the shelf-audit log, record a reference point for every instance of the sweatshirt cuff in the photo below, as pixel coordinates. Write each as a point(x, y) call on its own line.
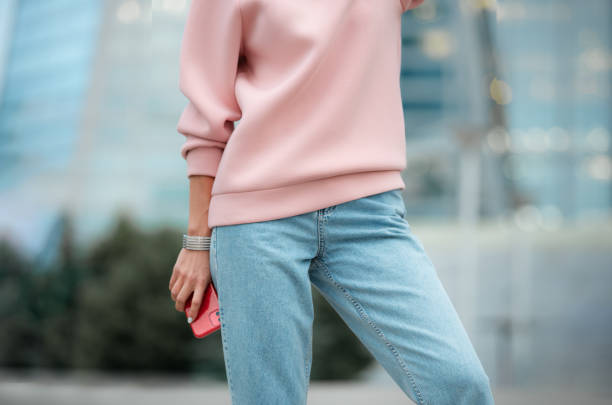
point(203, 161)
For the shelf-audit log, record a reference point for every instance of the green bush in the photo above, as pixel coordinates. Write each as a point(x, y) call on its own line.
point(109, 308)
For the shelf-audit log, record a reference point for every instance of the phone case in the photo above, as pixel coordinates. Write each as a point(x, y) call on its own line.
point(207, 321)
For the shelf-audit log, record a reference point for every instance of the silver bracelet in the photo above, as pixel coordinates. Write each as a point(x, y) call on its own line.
point(196, 242)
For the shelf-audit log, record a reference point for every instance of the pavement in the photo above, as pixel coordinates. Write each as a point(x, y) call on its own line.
point(52, 388)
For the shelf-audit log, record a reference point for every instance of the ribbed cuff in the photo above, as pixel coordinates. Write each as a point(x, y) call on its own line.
point(203, 161)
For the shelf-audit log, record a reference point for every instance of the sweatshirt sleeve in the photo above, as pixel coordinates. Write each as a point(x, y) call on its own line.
point(209, 55)
point(410, 4)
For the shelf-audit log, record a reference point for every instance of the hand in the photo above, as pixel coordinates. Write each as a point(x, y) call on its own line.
point(191, 274)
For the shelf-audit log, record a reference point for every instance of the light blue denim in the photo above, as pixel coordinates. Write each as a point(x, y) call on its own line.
point(363, 258)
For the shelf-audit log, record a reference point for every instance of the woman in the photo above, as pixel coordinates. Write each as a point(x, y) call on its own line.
point(306, 189)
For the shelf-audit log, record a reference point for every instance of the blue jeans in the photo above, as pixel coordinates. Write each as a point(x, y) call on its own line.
point(363, 258)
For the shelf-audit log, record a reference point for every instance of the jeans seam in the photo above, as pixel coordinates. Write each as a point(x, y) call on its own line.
point(364, 316)
point(321, 219)
point(323, 216)
point(224, 338)
point(308, 364)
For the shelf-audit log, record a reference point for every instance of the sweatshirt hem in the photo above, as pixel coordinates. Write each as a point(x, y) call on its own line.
point(296, 199)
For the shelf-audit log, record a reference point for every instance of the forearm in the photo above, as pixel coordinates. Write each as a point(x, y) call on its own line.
point(199, 199)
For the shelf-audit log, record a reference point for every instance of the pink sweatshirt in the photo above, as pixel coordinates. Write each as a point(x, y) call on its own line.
point(315, 88)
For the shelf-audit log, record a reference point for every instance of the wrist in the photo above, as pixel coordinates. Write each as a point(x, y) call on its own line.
point(199, 231)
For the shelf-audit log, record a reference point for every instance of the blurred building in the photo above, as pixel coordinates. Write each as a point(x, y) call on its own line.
point(557, 63)
point(531, 82)
point(49, 50)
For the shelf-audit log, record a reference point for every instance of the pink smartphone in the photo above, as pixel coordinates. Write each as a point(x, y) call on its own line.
point(207, 321)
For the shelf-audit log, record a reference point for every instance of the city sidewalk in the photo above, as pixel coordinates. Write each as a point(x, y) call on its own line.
point(102, 389)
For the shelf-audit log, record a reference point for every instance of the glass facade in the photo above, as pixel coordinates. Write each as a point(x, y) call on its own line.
point(46, 75)
point(443, 96)
point(557, 58)
point(532, 81)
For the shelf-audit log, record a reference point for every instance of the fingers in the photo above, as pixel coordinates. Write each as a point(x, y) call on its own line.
point(196, 300)
point(189, 277)
point(173, 278)
point(177, 286)
point(183, 295)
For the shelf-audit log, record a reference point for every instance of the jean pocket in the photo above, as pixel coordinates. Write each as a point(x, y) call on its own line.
point(389, 203)
point(397, 202)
